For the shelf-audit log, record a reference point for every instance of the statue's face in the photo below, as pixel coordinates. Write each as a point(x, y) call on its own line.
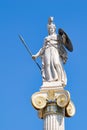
point(51, 30)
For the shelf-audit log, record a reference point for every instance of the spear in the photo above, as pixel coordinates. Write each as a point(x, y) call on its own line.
point(29, 52)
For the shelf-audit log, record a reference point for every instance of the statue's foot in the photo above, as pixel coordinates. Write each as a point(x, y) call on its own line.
point(52, 80)
point(55, 79)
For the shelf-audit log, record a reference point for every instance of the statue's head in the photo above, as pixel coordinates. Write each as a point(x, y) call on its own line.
point(51, 26)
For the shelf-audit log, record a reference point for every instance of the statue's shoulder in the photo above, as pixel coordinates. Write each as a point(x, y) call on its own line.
point(47, 38)
point(51, 37)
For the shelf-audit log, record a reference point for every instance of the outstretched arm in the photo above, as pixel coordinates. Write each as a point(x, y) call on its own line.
point(37, 54)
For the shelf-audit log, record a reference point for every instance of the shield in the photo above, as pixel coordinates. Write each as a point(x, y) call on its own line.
point(68, 43)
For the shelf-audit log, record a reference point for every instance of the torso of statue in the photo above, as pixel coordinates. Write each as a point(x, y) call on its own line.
point(51, 40)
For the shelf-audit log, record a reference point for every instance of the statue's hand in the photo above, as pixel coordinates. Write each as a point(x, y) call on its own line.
point(33, 57)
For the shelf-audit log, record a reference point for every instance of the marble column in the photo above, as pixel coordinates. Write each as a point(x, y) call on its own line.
point(53, 118)
point(54, 122)
point(53, 106)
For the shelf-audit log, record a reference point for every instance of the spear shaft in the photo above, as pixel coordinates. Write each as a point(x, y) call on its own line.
point(27, 48)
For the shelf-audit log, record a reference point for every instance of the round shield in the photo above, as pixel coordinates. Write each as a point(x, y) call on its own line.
point(68, 43)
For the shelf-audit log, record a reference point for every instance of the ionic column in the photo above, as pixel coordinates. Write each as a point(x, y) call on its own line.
point(53, 117)
point(53, 106)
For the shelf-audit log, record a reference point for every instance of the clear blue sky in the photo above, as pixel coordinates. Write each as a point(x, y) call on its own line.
point(20, 77)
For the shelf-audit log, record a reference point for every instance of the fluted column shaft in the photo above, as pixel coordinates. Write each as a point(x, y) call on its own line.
point(53, 117)
point(54, 122)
